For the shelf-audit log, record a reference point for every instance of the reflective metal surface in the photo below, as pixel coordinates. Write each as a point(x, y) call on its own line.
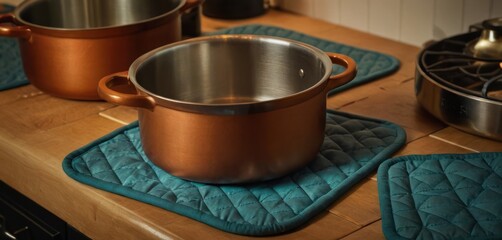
point(460, 89)
point(235, 72)
point(489, 44)
point(476, 115)
point(84, 14)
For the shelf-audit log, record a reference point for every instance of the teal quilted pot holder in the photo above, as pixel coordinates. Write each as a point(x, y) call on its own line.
point(11, 66)
point(353, 147)
point(445, 196)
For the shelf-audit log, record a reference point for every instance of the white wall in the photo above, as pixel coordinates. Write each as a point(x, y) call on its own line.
point(410, 21)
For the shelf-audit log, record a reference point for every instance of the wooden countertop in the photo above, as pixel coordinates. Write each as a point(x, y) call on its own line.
point(37, 131)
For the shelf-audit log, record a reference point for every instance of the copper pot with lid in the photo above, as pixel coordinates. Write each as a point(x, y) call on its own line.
point(230, 108)
point(68, 45)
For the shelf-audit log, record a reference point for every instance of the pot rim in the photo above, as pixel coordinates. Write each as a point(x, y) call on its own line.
point(236, 108)
point(106, 30)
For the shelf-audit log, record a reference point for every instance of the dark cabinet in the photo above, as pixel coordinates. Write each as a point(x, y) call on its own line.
point(21, 218)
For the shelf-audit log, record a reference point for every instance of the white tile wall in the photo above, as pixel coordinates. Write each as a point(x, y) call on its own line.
point(475, 11)
point(448, 16)
point(417, 18)
point(328, 10)
point(354, 14)
point(384, 18)
point(411, 21)
point(496, 9)
point(305, 7)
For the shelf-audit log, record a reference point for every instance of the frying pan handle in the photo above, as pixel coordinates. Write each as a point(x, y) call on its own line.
point(12, 30)
point(344, 77)
point(190, 4)
point(117, 88)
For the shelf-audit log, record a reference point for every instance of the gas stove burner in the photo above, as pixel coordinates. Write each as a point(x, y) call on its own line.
point(447, 62)
point(495, 81)
point(489, 43)
point(461, 88)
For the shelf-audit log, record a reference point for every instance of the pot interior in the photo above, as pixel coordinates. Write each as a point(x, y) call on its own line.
point(228, 70)
point(81, 14)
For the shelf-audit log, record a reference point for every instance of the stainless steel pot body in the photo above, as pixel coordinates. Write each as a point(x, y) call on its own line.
point(68, 45)
point(248, 108)
point(472, 114)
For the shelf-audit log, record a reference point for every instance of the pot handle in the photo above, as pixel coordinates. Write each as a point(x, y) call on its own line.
point(190, 4)
point(117, 88)
point(12, 30)
point(348, 74)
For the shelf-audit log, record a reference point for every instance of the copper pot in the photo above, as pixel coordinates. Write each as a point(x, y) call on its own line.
point(68, 45)
point(248, 108)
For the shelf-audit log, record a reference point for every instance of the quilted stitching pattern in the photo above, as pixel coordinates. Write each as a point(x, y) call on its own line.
point(443, 196)
point(370, 65)
point(352, 147)
point(11, 67)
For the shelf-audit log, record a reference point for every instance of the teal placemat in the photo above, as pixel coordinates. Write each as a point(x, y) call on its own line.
point(353, 147)
point(370, 64)
point(11, 66)
point(444, 196)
